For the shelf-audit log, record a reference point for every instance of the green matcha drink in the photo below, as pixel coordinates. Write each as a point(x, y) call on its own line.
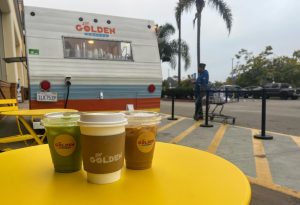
point(63, 135)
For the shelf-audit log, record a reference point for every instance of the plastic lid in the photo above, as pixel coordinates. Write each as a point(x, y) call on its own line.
point(142, 117)
point(61, 119)
point(102, 118)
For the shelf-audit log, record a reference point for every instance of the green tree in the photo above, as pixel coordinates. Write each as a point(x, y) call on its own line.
point(187, 83)
point(296, 54)
point(220, 5)
point(217, 84)
point(168, 49)
point(264, 67)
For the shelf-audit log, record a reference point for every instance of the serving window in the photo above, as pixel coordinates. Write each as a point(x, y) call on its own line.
point(79, 48)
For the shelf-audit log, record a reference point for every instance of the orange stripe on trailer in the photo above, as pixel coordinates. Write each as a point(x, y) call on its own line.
point(101, 105)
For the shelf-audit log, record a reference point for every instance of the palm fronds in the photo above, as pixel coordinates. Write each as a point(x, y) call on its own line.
point(168, 50)
point(185, 53)
point(224, 11)
point(166, 31)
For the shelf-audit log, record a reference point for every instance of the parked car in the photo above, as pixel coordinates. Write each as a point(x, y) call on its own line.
point(233, 90)
point(298, 91)
point(282, 90)
point(248, 91)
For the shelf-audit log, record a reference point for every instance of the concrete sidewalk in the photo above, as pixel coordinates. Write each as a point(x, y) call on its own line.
point(274, 164)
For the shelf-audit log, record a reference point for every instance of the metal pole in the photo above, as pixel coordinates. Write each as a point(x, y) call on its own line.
point(206, 111)
point(263, 135)
point(226, 94)
point(232, 68)
point(172, 116)
point(263, 114)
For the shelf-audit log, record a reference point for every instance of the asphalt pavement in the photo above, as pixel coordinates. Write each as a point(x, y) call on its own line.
point(283, 116)
point(271, 166)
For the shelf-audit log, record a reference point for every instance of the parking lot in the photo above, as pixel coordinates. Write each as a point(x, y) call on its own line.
point(269, 158)
point(271, 166)
point(283, 116)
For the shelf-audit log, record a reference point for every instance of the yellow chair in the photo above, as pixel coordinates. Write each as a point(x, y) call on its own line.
point(12, 105)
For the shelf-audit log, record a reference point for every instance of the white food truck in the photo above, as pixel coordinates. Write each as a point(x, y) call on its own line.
point(91, 62)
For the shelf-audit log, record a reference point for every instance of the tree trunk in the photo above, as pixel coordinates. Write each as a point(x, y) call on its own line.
point(179, 50)
point(198, 39)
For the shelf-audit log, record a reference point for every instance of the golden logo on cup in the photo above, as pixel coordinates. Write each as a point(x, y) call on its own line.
point(99, 158)
point(64, 144)
point(145, 142)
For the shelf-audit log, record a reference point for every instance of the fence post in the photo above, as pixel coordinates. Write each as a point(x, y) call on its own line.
point(206, 111)
point(172, 116)
point(226, 95)
point(263, 135)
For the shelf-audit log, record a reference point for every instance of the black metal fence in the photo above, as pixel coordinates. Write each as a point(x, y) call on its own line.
point(229, 95)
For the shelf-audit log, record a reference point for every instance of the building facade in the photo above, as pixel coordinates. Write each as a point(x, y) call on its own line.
point(13, 76)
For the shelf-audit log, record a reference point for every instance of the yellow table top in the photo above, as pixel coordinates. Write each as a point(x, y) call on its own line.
point(180, 175)
point(37, 112)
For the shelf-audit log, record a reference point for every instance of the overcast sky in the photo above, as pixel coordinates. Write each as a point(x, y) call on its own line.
point(256, 24)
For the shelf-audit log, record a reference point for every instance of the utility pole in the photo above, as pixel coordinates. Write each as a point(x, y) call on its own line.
point(232, 60)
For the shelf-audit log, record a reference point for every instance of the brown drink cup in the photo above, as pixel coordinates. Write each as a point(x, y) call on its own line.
point(140, 139)
point(103, 141)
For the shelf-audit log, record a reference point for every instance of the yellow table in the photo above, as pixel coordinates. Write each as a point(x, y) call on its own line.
point(180, 175)
point(20, 114)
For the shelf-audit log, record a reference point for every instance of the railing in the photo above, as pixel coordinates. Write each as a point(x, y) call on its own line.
point(262, 135)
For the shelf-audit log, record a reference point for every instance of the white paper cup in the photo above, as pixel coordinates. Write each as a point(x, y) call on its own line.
point(103, 142)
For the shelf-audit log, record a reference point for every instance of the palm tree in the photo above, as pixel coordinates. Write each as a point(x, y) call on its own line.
point(178, 12)
point(220, 5)
point(168, 49)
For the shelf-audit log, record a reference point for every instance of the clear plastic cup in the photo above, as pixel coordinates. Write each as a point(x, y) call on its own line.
point(140, 140)
point(63, 137)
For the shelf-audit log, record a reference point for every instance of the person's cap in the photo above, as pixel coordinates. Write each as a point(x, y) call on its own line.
point(201, 65)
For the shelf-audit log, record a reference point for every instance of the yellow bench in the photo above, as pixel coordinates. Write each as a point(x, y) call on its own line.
point(8, 105)
point(12, 105)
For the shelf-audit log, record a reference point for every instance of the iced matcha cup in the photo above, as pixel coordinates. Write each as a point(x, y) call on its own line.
point(140, 139)
point(103, 143)
point(63, 137)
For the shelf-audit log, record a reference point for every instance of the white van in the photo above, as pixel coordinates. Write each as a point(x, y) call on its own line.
point(91, 62)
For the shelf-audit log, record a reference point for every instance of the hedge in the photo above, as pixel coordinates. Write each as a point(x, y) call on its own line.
point(179, 92)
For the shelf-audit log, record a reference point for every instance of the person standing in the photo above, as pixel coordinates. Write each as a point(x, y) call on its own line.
point(200, 89)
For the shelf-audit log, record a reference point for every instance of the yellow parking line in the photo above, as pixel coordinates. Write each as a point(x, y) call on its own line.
point(296, 140)
point(170, 124)
point(186, 132)
point(275, 187)
point(269, 132)
point(217, 138)
point(263, 171)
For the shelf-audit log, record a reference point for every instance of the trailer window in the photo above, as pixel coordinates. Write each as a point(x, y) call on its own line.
point(97, 49)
